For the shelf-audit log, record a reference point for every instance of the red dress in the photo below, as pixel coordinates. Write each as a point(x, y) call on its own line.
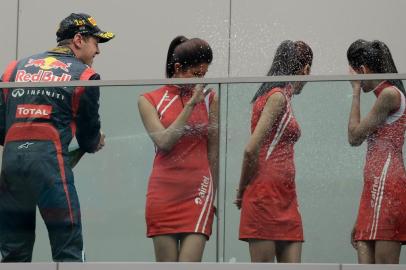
point(180, 190)
point(382, 210)
point(269, 205)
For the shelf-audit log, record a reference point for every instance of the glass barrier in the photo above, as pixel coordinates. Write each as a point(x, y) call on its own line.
point(112, 184)
point(329, 172)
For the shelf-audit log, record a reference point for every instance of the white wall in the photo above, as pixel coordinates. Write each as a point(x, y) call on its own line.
point(328, 26)
point(8, 31)
point(144, 29)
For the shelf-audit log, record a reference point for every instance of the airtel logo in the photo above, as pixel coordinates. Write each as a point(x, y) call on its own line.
point(19, 92)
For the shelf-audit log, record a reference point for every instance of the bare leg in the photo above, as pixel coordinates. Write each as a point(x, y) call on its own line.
point(387, 252)
point(288, 251)
point(166, 248)
point(262, 250)
point(366, 252)
point(192, 247)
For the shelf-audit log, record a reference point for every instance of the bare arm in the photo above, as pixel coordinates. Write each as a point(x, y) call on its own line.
point(213, 141)
point(358, 130)
point(166, 138)
point(273, 108)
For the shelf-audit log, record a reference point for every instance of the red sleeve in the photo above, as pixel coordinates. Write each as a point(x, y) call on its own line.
point(273, 91)
point(149, 97)
point(276, 90)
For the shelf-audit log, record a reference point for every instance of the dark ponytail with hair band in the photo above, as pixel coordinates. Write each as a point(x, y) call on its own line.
point(170, 59)
point(188, 53)
point(376, 56)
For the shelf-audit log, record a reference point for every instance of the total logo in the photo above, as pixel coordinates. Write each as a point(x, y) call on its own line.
point(33, 111)
point(48, 63)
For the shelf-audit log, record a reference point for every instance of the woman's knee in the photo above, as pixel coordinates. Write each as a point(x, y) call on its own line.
point(387, 252)
point(262, 251)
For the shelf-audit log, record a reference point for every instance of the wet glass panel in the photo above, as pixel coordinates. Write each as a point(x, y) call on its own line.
point(112, 186)
point(329, 172)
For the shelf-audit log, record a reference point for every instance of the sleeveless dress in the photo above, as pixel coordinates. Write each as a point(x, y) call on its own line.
point(269, 206)
point(382, 210)
point(180, 190)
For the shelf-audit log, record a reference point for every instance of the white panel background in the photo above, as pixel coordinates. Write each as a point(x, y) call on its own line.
point(8, 33)
point(328, 26)
point(144, 29)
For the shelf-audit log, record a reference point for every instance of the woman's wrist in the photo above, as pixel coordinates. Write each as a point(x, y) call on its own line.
point(190, 104)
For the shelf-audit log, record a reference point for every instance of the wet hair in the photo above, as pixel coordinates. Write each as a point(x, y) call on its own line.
point(188, 53)
point(376, 56)
point(290, 58)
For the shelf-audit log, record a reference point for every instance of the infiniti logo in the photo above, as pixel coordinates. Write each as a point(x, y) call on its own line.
point(19, 92)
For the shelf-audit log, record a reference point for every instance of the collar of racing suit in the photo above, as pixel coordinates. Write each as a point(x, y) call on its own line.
point(62, 50)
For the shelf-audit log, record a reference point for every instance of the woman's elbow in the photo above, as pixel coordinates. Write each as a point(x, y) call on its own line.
point(353, 141)
point(163, 147)
point(249, 153)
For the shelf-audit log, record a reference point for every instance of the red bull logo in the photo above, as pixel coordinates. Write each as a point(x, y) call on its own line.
point(48, 63)
point(41, 76)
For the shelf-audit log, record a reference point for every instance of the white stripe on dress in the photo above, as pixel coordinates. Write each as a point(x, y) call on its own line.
point(162, 100)
point(281, 128)
point(204, 206)
point(378, 202)
point(210, 205)
point(167, 106)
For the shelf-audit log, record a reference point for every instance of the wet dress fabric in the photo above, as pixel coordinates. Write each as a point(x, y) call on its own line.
point(269, 205)
point(180, 190)
point(382, 209)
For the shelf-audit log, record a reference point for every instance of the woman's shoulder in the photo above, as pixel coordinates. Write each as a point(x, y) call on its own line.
point(155, 95)
point(157, 91)
point(277, 93)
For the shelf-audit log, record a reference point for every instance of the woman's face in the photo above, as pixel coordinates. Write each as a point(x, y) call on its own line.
point(192, 72)
point(298, 86)
point(366, 86)
point(197, 71)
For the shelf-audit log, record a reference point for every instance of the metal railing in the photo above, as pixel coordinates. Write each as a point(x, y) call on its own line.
point(220, 80)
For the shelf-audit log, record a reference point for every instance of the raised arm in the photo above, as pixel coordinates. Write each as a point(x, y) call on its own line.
point(358, 130)
point(273, 108)
point(166, 138)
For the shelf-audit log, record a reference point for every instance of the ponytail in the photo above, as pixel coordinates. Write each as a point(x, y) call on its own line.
point(170, 59)
point(388, 63)
point(376, 56)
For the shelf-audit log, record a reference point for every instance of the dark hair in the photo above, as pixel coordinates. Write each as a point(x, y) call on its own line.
point(188, 53)
point(376, 56)
point(290, 58)
point(66, 42)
